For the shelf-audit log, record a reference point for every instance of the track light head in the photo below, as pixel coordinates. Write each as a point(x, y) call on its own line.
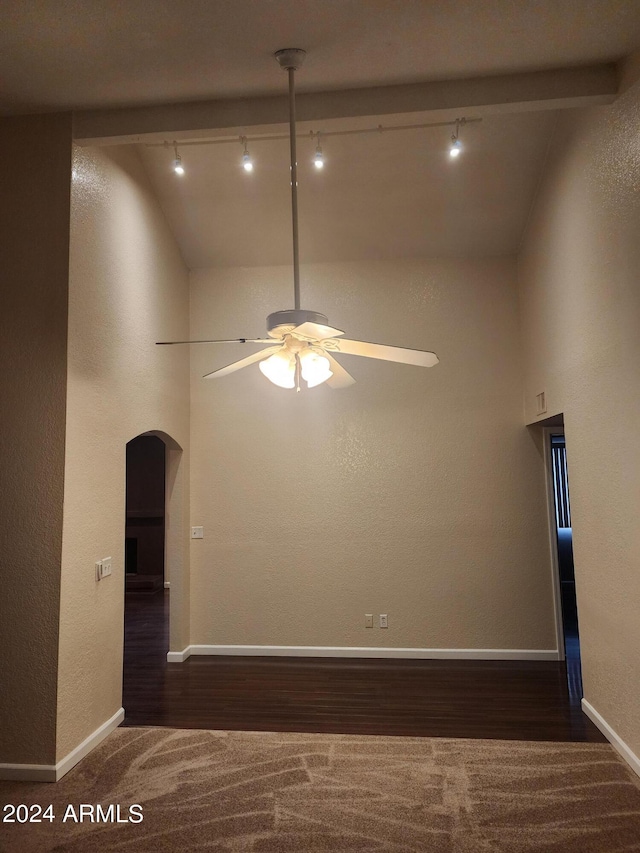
point(178, 168)
point(456, 146)
point(247, 162)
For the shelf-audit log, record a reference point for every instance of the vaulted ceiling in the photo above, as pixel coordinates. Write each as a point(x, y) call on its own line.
point(379, 196)
point(202, 70)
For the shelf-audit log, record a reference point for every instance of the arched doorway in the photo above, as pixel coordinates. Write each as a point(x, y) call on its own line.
point(145, 515)
point(156, 557)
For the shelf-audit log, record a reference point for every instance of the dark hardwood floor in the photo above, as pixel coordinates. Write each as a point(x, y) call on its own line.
point(521, 700)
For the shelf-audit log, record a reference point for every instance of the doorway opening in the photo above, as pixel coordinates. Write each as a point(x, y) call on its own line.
point(144, 517)
point(156, 610)
point(146, 600)
point(566, 600)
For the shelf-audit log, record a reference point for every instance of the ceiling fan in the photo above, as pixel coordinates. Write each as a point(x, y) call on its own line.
point(302, 344)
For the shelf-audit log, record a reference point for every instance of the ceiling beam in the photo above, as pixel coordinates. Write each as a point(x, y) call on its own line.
point(561, 88)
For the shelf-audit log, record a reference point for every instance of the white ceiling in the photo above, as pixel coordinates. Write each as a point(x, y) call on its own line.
point(71, 54)
point(380, 196)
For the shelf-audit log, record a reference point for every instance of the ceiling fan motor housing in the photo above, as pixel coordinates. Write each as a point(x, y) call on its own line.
point(281, 322)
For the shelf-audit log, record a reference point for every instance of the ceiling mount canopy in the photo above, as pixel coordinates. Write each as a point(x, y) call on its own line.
point(290, 58)
point(302, 343)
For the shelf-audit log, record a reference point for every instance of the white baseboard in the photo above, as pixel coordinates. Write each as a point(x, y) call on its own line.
point(366, 652)
point(614, 739)
point(178, 657)
point(88, 744)
point(28, 772)
point(167, 584)
point(54, 772)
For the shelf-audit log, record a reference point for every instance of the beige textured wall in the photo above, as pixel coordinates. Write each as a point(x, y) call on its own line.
point(417, 493)
point(128, 288)
point(581, 311)
point(35, 164)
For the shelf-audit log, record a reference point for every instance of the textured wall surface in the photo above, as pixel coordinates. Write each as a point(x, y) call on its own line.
point(128, 288)
point(581, 311)
point(418, 493)
point(35, 162)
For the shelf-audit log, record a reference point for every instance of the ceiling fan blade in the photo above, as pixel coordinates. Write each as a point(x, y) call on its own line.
point(232, 341)
point(315, 331)
point(244, 362)
point(340, 378)
point(404, 355)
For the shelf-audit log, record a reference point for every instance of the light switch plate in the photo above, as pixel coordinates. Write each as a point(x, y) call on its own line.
point(197, 532)
point(103, 568)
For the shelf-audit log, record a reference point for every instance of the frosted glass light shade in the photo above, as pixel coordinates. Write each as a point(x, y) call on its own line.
point(280, 369)
point(315, 368)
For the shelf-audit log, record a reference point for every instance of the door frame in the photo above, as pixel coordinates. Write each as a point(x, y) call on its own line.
point(547, 432)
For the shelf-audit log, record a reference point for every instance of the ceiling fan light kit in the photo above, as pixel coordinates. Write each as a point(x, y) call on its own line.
point(302, 343)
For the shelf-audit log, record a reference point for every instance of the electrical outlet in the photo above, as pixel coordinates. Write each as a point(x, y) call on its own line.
point(197, 532)
point(384, 623)
point(368, 620)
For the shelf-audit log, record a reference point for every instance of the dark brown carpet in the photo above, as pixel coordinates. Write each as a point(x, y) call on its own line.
point(257, 792)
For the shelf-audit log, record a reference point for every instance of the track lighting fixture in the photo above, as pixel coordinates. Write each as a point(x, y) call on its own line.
point(318, 158)
point(247, 162)
point(178, 168)
point(456, 145)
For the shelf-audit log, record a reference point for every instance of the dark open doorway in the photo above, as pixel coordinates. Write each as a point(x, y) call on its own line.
point(156, 601)
point(566, 574)
point(146, 607)
point(145, 514)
